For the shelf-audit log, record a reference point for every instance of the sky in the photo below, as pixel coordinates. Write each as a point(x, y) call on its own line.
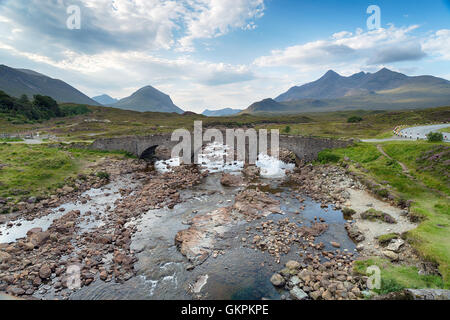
point(213, 54)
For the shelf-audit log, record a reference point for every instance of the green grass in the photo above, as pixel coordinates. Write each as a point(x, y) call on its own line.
point(37, 170)
point(429, 190)
point(397, 277)
point(445, 130)
point(386, 238)
point(10, 140)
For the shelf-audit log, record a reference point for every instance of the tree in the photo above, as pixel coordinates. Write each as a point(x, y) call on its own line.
point(287, 129)
point(435, 137)
point(24, 99)
point(354, 119)
point(47, 106)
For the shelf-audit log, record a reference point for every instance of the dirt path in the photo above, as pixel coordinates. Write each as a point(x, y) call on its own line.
point(407, 172)
point(404, 167)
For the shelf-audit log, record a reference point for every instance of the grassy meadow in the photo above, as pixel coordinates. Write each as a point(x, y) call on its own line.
point(107, 122)
point(38, 170)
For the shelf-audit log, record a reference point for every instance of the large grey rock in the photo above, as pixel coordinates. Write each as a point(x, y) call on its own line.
point(416, 294)
point(298, 294)
point(294, 281)
point(45, 272)
point(391, 255)
point(428, 294)
point(292, 265)
point(231, 180)
point(39, 238)
point(395, 245)
point(4, 257)
point(277, 280)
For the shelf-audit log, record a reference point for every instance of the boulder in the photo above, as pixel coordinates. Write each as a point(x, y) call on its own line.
point(4, 257)
point(298, 294)
point(294, 281)
point(45, 272)
point(305, 275)
point(33, 231)
point(39, 238)
point(316, 295)
point(327, 295)
point(277, 280)
point(292, 265)
point(391, 255)
point(16, 291)
point(395, 245)
point(428, 294)
point(335, 244)
point(67, 189)
point(354, 233)
point(231, 180)
point(251, 171)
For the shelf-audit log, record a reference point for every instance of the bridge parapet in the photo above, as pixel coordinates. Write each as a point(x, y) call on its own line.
point(305, 148)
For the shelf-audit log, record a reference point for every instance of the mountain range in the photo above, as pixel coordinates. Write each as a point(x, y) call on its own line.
point(385, 89)
point(17, 82)
point(221, 113)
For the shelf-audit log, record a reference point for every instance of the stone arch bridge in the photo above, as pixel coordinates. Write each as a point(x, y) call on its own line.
point(305, 148)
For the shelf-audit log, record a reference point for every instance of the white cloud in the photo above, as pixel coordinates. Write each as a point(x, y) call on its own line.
point(438, 44)
point(213, 18)
point(132, 25)
point(345, 48)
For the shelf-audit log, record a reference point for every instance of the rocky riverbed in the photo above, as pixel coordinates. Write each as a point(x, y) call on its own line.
point(196, 232)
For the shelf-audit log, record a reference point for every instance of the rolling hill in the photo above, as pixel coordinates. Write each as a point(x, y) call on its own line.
point(17, 82)
point(148, 99)
point(385, 89)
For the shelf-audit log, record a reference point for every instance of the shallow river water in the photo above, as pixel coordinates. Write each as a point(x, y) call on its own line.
point(239, 273)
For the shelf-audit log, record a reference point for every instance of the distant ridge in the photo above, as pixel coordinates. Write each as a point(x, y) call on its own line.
point(385, 89)
point(148, 99)
point(17, 82)
point(105, 99)
point(221, 112)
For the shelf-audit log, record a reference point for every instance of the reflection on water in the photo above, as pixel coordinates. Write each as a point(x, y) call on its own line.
point(241, 273)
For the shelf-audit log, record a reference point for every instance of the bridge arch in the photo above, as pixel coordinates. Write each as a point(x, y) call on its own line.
point(149, 153)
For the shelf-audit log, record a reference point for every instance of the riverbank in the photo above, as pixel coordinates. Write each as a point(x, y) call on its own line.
point(422, 191)
point(181, 233)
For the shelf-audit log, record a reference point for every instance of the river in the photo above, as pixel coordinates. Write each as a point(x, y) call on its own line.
point(234, 269)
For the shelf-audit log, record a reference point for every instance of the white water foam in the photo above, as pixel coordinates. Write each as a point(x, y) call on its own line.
point(273, 168)
point(164, 166)
point(213, 159)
